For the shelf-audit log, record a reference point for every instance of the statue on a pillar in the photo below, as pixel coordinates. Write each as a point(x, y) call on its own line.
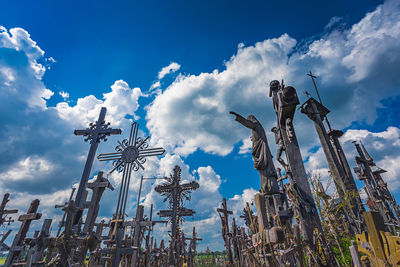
point(261, 154)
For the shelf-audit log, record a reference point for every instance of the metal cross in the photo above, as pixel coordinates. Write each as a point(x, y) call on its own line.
point(175, 193)
point(95, 133)
point(130, 155)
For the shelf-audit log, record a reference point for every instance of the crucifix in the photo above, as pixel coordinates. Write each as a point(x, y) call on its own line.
point(18, 243)
point(131, 155)
point(225, 229)
point(95, 133)
point(175, 193)
point(4, 212)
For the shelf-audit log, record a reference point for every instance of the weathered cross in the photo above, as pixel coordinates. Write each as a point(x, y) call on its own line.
point(39, 242)
point(139, 224)
point(225, 228)
point(4, 212)
point(26, 219)
point(131, 154)
point(62, 222)
point(95, 133)
point(175, 193)
point(193, 246)
point(98, 187)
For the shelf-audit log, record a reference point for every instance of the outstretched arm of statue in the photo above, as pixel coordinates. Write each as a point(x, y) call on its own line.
point(245, 122)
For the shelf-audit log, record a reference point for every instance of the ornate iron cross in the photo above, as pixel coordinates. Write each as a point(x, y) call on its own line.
point(131, 155)
point(97, 131)
point(175, 193)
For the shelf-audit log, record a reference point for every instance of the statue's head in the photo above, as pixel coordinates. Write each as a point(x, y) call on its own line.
point(274, 85)
point(252, 118)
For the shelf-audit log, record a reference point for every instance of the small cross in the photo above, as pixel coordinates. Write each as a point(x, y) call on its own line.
point(4, 212)
point(315, 85)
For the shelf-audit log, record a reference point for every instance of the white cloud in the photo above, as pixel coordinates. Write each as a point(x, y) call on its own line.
point(347, 81)
point(121, 101)
point(172, 67)
point(64, 95)
point(383, 146)
point(28, 169)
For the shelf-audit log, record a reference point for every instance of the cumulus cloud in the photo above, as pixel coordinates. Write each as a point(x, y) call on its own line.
point(348, 79)
point(121, 101)
point(171, 68)
point(382, 146)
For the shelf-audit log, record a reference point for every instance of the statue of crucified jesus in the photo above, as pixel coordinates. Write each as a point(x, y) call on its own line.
point(261, 154)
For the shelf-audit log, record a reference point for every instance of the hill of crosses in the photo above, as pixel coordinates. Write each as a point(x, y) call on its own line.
point(294, 219)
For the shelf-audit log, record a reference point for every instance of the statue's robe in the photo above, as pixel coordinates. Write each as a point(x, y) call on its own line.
point(261, 154)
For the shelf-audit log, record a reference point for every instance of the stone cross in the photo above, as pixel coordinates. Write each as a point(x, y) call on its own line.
point(95, 133)
point(26, 219)
point(175, 192)
point(98, 187)
point(4, 212)
point(225, 229)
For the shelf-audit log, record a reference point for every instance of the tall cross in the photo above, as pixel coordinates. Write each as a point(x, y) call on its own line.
point(95, 133)
point(175, 193)
point(225, 228)
point(4, 212)
point(130, 155)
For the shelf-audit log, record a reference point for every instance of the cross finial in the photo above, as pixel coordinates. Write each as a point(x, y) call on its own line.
point(315, 85)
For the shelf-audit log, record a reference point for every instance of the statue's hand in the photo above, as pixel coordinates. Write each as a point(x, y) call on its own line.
point(234, 113)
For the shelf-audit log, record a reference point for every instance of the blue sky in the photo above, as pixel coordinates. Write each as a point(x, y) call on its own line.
point(179, 67)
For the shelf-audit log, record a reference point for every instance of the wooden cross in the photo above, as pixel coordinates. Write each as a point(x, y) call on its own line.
point(225, 228)
point(62, 222)
point(192, 246)
point(39, 242)
point(4, 212)
point(26, 219)
point(98, 187)
point(138, 224)
point(95, 133)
